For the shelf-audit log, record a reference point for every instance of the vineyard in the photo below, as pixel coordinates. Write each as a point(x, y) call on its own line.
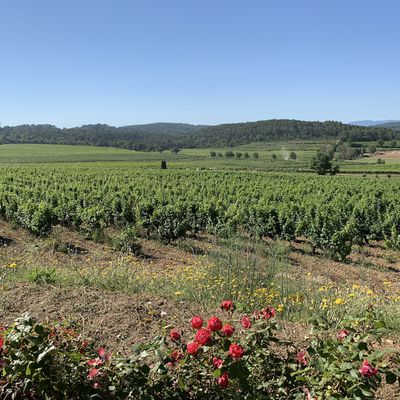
point(332, 213)
point(132, 250)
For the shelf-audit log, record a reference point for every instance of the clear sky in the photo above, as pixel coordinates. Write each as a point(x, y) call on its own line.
point(72, 62)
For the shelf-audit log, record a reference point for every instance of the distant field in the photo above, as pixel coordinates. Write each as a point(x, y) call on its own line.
point(50, 153)
point(195, 158)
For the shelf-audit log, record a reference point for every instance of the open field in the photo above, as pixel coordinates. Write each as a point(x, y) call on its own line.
point(199, 158)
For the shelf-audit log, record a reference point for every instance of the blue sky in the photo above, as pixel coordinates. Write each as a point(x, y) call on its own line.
point(71, 62)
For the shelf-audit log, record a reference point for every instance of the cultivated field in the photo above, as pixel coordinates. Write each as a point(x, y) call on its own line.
point(104, 238)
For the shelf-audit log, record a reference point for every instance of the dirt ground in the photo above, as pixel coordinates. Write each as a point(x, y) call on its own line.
point(388, 155)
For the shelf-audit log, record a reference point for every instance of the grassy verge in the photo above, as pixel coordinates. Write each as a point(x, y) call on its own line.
point(254, 274)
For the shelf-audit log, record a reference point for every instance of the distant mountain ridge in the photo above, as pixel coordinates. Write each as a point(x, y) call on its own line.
point(390, 125)
point(373, 123)
point(161, 136)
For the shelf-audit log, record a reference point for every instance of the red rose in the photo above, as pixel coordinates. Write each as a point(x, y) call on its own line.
point(174, 335)
point(176, 355)
point(228, 330)
point(217, 362)
point(93, 372)
point(95, 361)
point(367, 369)
point(302, 357)
point(342, 334)
point(227, 305)
point(245, 321)
point(268, 312)
point(1, 343)
point(214, 324)
point(203, 336)
point(197, 322)
point(236, 351)
point(101, 352)
point(192, 348)
point(223, 380)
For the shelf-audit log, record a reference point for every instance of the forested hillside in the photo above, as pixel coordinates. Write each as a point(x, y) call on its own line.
point(160, 136)
point(390, 125)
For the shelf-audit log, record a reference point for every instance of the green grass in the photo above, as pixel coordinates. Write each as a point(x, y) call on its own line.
point(12, 154)
point(186, 158)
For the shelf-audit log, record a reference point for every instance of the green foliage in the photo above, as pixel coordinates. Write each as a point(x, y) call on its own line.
point(159, 137)
point(332, 214)
point(127, 242)
point(392, 241)
point(322, 165)
point(235, 357)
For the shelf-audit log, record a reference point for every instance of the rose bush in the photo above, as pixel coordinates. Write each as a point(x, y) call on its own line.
point(234, 357)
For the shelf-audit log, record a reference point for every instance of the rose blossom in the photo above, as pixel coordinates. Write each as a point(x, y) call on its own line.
point(228, 330)
point(174, 335)
point(301, 357)
point(342, 334)
point(203, 336)
point(268, 312)
point(223, 380)
point(93, 372)
point(1, 343)
point(245, 321)
point(217, 362)
point(236, 351)
point(367, 369)
point(192, 348)
point(95, 361)
point(214, 324)
point(176, 355)
point(196, 322)
point(227, 305)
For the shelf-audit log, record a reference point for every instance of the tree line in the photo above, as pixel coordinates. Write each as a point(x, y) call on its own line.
point(159, 137)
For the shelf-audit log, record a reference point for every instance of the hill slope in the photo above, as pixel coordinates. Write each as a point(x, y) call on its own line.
point(159, 136)
point(371, 122)
point(390, 125)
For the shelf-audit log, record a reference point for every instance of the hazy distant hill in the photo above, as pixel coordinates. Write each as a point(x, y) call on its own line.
point(391, 125)
point(372, 123)
point(160, 136)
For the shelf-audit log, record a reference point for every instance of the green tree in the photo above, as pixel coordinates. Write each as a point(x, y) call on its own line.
point(293, 155)
point(255, 156)
point(213, 154)
point(239, 155)
point(274, 156)
point(322, 165)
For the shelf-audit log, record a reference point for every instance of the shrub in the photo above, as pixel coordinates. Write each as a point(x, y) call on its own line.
point(232, 357)
point(127, 242)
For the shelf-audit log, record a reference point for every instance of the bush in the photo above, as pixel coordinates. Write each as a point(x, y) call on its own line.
point(232, 357)
point(127, 242)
